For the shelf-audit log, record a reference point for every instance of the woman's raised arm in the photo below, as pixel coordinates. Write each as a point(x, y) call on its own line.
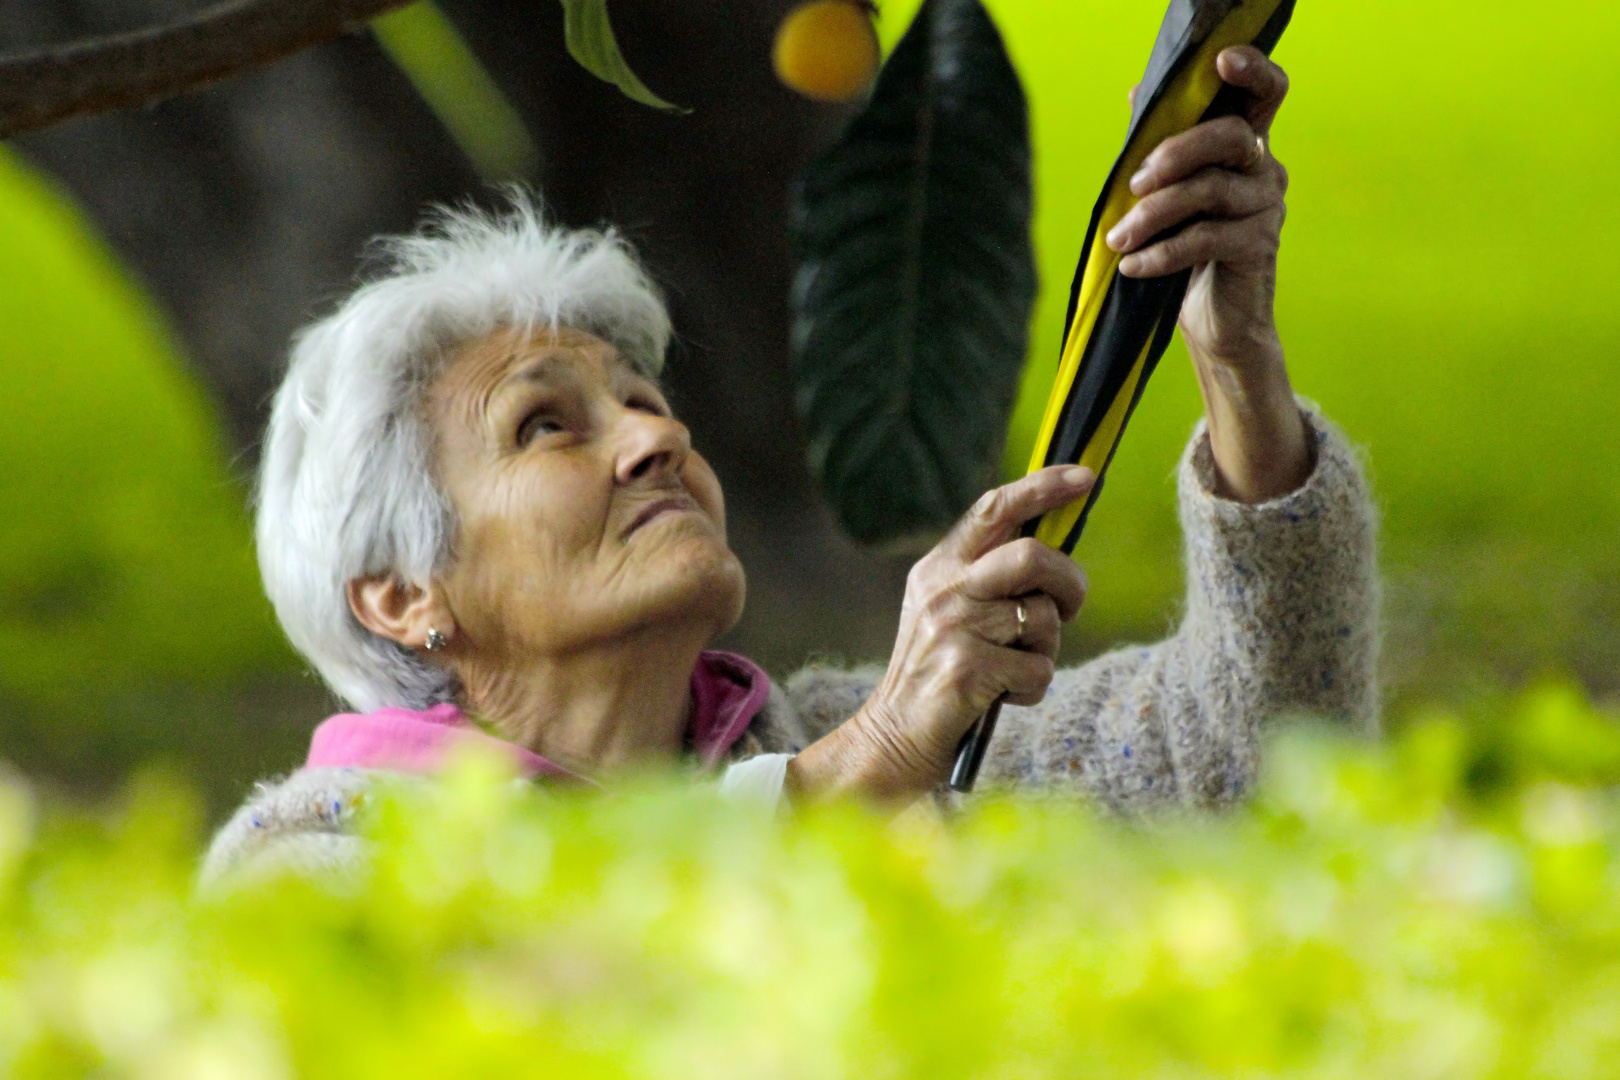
point(1282, 585)
point(1221, 182)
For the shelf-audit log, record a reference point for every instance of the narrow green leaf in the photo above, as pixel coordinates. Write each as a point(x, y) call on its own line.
point(916, 281)
point(590, 40)
point(427, 48)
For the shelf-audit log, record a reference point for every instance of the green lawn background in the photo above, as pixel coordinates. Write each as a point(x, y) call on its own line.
point(1450, 293)
point(131, 619)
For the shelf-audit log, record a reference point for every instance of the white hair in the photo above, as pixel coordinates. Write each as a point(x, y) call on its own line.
point(346, 484)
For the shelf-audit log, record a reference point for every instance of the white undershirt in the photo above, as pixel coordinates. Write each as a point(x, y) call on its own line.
point(757, 781)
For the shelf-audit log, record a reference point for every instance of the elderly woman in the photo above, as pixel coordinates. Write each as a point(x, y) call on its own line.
point(482, 524)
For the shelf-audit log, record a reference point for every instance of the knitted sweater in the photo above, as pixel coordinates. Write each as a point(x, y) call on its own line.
point(1281, 618)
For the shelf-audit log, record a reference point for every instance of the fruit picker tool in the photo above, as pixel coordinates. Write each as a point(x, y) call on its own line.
point(1118, 327)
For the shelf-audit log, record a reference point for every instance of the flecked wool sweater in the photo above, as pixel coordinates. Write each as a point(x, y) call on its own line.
point(1281, 618)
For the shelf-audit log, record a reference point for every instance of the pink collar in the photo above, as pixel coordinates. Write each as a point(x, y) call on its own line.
point(728, 691)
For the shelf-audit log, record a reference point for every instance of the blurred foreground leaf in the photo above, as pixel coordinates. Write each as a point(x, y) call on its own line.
point(131, 619)
point(427, 48)
point(916, 279)
point(1379, 911)
point(128, 557)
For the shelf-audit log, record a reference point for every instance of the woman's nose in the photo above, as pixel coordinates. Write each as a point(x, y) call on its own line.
point(651, 447)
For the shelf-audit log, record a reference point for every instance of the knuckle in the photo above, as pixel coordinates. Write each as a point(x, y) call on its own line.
point(1026, 555)
point(1150, 214)
point(989, 506)
point(1177, 203)
point(1156, 261)
point(940, 612)
point(1197, 242)
point(1236, 130)
point(1168, 156)
point(919, 579)
point(1041, 670)
point(1268, 238)
point(1143, 215)
point(1047, 634)
point(1190, 198)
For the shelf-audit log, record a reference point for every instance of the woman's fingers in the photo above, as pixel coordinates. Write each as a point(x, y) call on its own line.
point(1247, 67)
point(1024, 675)
point(984, 672)
point(1027, 566)
point(1042, 629)
point(1250, 241)
point(1230, 142)
point(1214, 192)
point(960, 644)
point(996, 623)
point(1254, 71)
point(999, 513)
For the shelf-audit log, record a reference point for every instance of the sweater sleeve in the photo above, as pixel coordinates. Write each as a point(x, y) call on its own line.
point(1281, 617)
point(303, 824)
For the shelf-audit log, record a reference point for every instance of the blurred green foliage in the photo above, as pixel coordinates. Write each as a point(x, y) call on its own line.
point(1448, 292)
point(126, 564)
point(1447, 905)
point(427, 48)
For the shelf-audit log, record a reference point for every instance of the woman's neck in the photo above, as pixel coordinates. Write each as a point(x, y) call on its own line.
point(597, 710)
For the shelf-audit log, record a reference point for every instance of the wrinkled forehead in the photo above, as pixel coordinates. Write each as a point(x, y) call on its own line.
point(478, 372)
point(514, 353)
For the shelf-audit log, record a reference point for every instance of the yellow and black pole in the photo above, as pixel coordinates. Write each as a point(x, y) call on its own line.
point(1118, 327)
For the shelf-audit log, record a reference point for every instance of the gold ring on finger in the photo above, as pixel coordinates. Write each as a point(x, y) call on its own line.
point(1023, 617)
point(1260, 151)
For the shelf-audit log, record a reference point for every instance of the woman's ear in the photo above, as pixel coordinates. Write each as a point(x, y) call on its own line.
point(400, 610)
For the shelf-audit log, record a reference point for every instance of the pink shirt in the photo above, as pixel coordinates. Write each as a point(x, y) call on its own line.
point(728, 691)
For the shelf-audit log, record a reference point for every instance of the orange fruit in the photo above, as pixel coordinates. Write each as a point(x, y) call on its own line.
point(827, 49)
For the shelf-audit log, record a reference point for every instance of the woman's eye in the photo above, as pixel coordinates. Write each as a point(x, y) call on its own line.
point(537, 425)
point(647, 405)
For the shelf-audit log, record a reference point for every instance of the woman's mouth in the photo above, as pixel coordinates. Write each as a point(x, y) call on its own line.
point(674, 504)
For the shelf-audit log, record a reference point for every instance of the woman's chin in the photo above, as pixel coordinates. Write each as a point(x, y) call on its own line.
point(719, 589)
point(695, 575)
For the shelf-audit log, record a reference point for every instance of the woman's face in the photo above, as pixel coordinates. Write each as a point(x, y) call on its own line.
point(584, 515)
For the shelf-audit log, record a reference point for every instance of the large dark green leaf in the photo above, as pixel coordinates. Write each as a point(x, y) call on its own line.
point(916, 279)
point(590, 40)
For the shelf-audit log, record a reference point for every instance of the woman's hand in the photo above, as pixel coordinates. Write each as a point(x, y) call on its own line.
point(1221, 182)
point(960, 646)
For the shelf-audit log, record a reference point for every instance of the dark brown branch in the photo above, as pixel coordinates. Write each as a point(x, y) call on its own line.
point(41, 88)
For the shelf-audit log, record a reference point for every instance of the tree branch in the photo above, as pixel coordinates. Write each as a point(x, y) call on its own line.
point(42, 88)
